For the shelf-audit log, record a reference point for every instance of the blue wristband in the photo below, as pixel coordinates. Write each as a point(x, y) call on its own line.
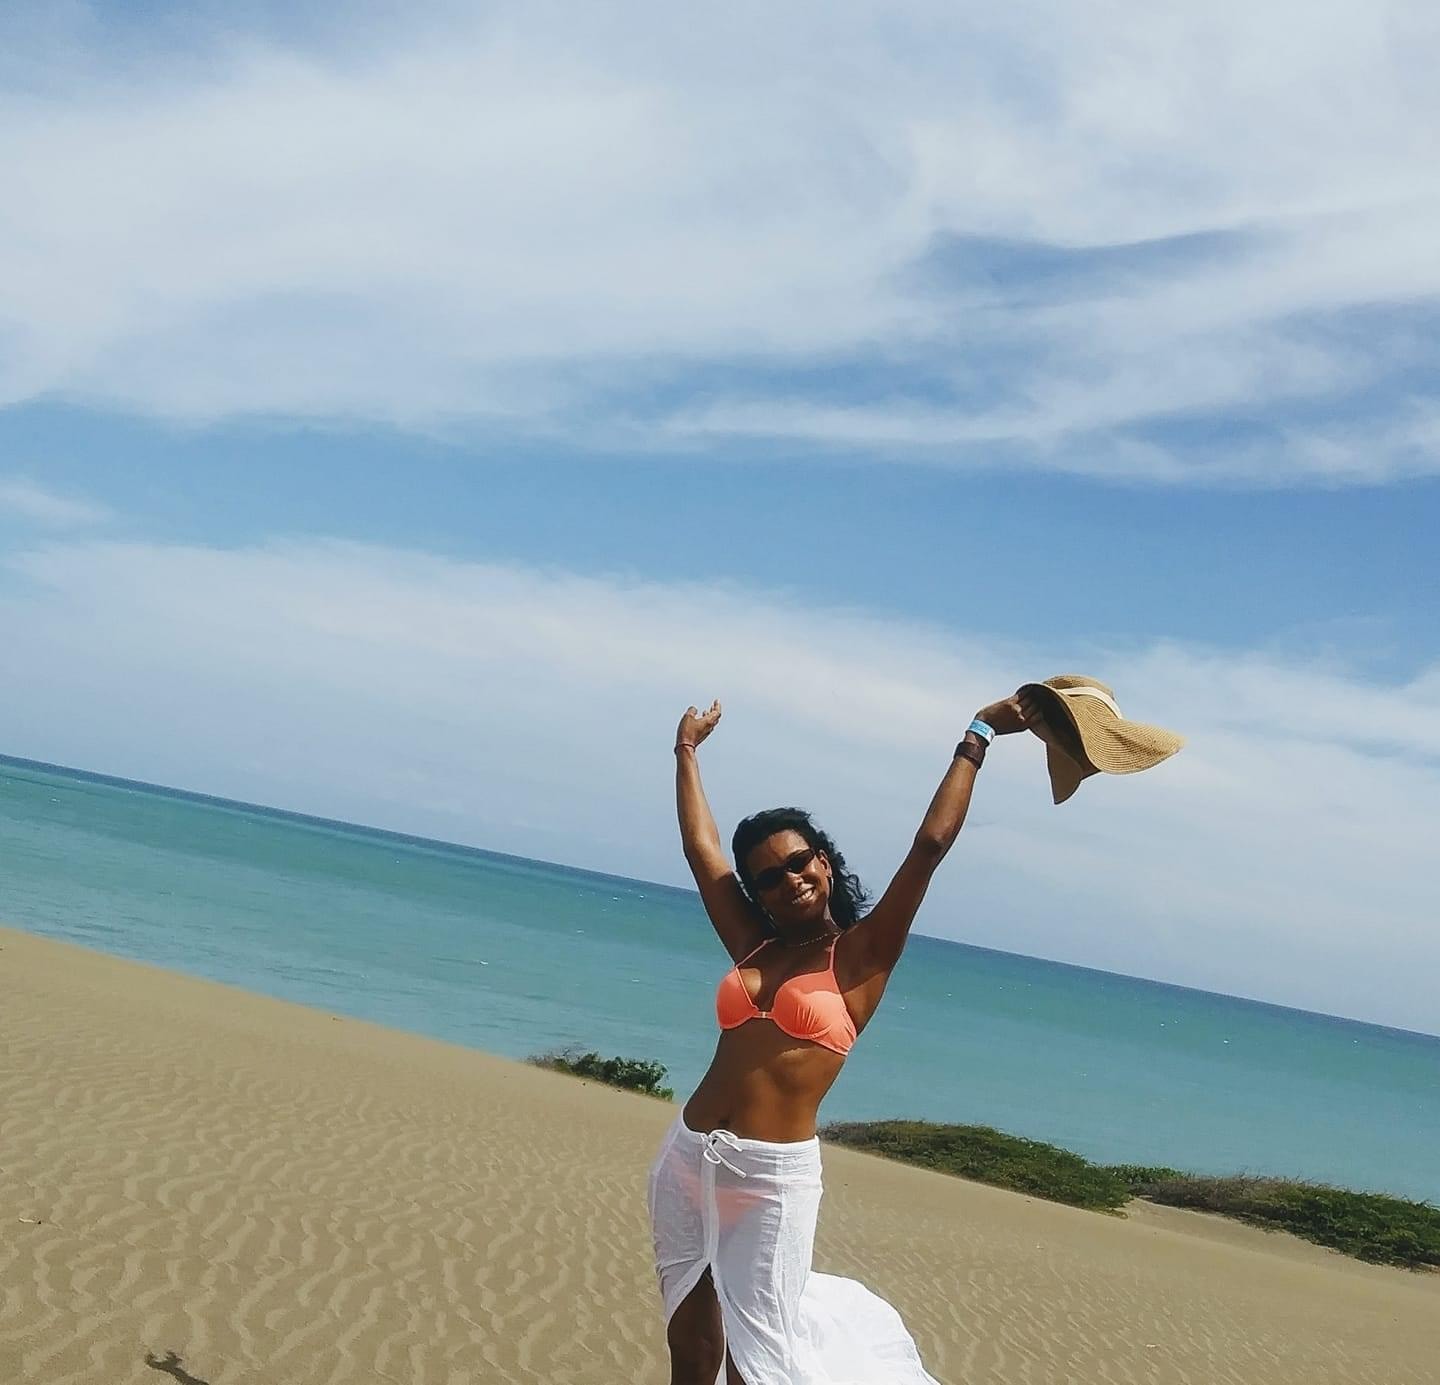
point(982, 729)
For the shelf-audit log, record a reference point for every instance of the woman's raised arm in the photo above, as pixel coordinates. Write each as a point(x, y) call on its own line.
point(886, 927)
point(735, 920)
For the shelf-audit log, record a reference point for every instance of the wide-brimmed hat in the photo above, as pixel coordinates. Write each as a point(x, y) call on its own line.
point(1096, 737)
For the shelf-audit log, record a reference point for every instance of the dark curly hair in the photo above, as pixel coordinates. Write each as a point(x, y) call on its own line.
point(847, 894)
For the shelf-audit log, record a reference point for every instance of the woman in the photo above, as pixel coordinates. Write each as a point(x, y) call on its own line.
point(735, 1190)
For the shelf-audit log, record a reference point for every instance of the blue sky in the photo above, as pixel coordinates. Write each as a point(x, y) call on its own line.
point(404, 420)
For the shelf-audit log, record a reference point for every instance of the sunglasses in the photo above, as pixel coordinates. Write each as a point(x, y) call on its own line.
point(768, 879)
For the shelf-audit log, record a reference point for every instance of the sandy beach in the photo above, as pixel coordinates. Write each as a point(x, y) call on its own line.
point(204, 1184)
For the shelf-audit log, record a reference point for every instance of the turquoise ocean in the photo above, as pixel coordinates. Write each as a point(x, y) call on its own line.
point(517, 957)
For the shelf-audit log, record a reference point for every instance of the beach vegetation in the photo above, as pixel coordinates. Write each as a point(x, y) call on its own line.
point(632, 1074)
point(1370, 1226)
point(1137, 1176)
point(988, 1156)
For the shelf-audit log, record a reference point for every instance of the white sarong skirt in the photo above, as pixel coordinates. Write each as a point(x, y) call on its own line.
point(747, 1209)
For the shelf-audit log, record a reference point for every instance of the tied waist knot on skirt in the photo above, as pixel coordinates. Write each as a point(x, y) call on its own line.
point(747, 1209)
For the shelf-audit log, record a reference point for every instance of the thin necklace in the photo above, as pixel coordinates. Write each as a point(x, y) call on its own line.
point(805, 942)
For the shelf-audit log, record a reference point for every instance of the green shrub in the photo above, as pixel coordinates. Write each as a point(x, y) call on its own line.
point(988, 1156)
point(1370, 1226)
point(633, 1074)
point(1139, 1176)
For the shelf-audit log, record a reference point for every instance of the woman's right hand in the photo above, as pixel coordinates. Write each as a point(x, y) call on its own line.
point(695, 726)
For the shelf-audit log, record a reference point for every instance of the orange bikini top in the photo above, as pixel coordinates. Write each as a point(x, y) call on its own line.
point(808, 1006)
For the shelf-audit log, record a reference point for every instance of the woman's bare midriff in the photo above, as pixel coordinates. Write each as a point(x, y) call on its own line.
point(763, 1084)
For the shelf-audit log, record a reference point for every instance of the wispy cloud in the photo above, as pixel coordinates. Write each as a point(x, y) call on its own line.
point(34, 504)
point(1191, 245)
point(1287, 853)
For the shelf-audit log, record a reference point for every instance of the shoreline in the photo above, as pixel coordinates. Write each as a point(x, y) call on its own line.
point(251, 984)
point(270, 1191)
point(461, 850)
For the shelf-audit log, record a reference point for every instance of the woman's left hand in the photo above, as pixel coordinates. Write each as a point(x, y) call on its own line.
point(1022, 711)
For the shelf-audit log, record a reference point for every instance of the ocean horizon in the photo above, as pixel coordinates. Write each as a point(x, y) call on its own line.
point(517, 956)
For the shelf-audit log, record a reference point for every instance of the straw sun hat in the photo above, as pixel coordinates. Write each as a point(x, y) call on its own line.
point(1094, 734)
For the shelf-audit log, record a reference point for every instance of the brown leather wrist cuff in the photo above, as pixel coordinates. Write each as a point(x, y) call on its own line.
point(972, 750)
